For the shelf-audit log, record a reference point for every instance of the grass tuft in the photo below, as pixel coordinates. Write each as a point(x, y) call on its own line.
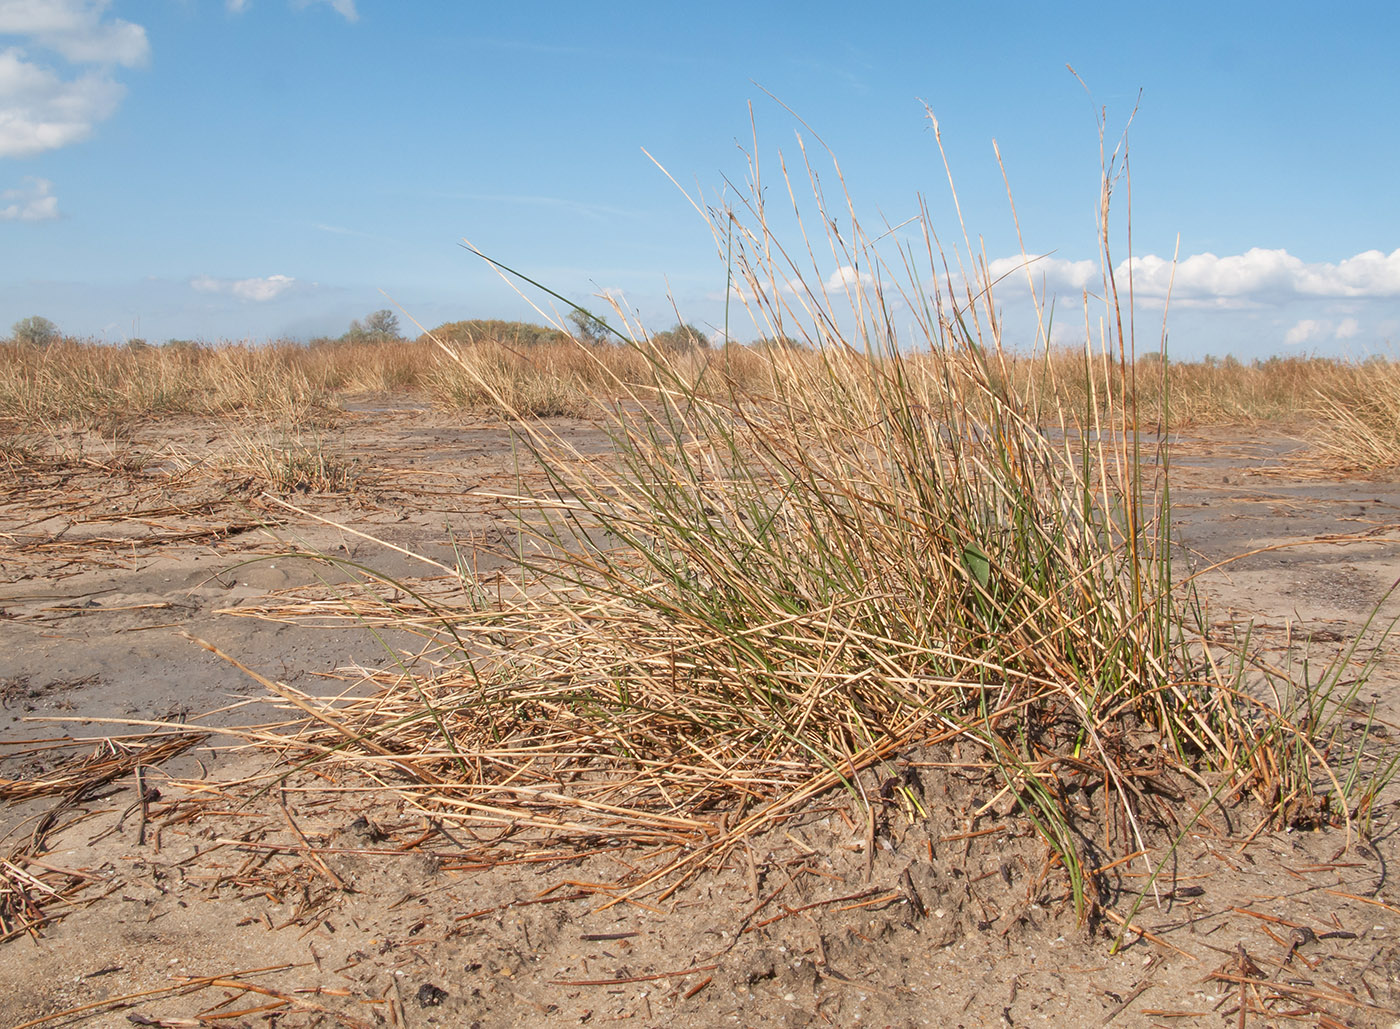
point(801, 562)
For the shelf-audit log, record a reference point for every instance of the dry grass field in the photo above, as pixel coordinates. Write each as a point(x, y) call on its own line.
point(1345, 405)
point(636, 709)
point(863, 679)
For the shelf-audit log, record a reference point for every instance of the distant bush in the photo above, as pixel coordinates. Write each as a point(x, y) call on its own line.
point(588, 327)
point(495, 330)
point(379, 326)
point(681, 338)
point(778, 343)
point(35, 331)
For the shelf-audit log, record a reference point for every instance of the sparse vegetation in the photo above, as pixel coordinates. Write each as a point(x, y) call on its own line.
point(286, 464)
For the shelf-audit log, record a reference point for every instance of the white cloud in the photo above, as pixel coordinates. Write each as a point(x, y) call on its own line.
point(1055, 273)
point(256, 290)
point(1368, 274)
point(1255, 279)
point(744, 291)
point(42, 109)
point(344, 8)
point(1312, 330)
point(1064, 332)
point(1264, 276)
point(79, 30)
point(846, 275)
point(33, 203)
point(1304, 331)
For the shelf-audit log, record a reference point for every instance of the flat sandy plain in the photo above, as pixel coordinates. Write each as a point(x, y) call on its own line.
point(213, 906)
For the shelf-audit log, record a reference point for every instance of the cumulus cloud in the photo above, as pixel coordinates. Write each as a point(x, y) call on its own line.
point(42, 109)
point(1056, 273)
point(1257, 278)
point(1305, 331)
point(846, 275)
point(79, 30)
point(344, 8)
point(256, 290)
point(237, 6)
point(1261, 276)
point(34, 202)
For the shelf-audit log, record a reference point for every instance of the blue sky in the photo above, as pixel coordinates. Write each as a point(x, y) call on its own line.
point(229, 169)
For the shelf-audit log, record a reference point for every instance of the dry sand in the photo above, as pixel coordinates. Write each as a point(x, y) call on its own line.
point(301, 907)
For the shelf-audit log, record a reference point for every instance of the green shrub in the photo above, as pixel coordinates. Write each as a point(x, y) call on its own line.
point(494, 330)
point(680, 338)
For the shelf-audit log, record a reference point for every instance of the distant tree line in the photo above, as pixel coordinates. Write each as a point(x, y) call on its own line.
point(383, 326)
point(584, 327)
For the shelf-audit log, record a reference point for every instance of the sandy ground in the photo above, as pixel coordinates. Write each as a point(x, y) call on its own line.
point(306, 907)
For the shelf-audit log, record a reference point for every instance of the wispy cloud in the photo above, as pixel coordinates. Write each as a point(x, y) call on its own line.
point(341, 230)
point(1321, 330)
point(738, 291)
point(344, 8)
point(595, 211)
point(830, 71)
point(527, 46)
point(34, 202)
point(256, 290)
point(42, 109)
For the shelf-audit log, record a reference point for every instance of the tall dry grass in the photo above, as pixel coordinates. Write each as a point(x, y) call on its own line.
point(797, 565)
point(74, 380)
point(1348, 408)
point(1359, 410)
point(77, 380)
